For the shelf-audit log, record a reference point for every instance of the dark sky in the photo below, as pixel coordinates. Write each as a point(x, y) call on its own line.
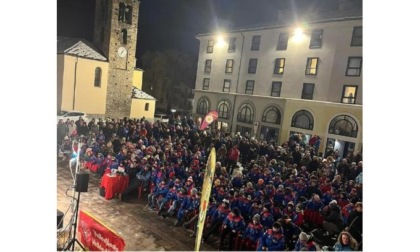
point(173, 24)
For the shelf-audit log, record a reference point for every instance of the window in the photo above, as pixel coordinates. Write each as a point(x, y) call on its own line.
point(279, 66)
point(223, 109)
point(255, 43)
point(203, 106)
point(275, 88)
point(311, 66)
point(246, 113)
point(210, 45)
point(128, 14)
point(124, 33)
point(349, 94)
point(343, 125)
point(121, 12)
point(303, 119)
point(308, 91)
point(252, 67)
point(232, 45)
point(206, 83)
point(146, 107)
point(226, 86)
point(229, 66)
point(316, 39)
point(282, 43)
point(249, 89)
point(357, 37)
point(207, 66)
point(98, 76)
point(271, 115)
point(354, 66)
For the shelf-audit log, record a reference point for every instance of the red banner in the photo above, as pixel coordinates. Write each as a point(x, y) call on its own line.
point(96, 237)
point(210, 117)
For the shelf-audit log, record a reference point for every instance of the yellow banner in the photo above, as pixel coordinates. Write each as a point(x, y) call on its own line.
point(205, 196)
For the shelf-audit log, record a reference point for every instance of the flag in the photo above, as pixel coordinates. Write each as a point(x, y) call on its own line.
point(210, 117)
point(205, 196)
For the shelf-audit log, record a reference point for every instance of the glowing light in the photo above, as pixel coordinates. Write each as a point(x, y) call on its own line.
point(298, 34)
point(298, 31)
point(220, 40)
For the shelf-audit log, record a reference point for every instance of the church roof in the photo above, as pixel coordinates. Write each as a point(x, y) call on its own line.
point(138, 94)
point(79, 47)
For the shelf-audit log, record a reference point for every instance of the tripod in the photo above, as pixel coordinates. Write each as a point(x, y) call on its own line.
point(76, 207)
point(74, 224)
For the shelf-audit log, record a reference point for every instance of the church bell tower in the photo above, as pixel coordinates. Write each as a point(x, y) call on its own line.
point(115, 35)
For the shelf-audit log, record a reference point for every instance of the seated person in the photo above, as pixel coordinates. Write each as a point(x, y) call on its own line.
point(142, 179)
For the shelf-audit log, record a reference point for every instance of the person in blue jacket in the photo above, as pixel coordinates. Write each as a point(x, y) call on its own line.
point(272, 239)
point(189, 204)
point(253, 233)
point(233, 224)
point(160, 190)
point(171, 195)
point(217, 219)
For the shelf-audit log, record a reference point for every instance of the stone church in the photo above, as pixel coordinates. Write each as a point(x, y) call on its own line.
point(99, 77)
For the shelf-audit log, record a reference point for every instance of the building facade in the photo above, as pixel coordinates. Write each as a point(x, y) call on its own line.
point(100, 78)
point(277, 81)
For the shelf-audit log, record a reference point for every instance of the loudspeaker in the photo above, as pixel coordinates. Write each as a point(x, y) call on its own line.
point(60, 219)
point(82, 181)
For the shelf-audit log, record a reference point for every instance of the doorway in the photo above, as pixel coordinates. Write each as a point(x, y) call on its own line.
point(343, 147)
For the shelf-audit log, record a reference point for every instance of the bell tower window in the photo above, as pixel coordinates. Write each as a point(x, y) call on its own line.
point(124, 35)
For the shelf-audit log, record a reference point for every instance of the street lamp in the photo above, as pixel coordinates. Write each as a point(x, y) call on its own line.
point(220, 40)
point(298, 34)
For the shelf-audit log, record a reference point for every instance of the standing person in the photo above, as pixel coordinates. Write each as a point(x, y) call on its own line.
point(317, 144)
point(79, 122)
point(62, 130)
point(72, 128)
point(83, 129)
point(244, 149)
point(345, 242)
point(233, 157)
point(222, 155)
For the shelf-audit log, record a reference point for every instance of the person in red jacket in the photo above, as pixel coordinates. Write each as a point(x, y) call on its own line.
point(233, 157)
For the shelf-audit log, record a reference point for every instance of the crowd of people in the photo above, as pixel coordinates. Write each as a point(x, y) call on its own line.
point(265, 195)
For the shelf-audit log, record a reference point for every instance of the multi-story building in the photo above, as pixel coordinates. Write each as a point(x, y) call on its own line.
point(279, 80)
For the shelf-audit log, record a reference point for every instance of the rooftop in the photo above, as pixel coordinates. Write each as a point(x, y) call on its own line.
point(287, 18)
point(138, 94)
point(79, 47)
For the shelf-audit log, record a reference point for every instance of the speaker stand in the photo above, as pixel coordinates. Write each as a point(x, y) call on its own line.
point(74, 224)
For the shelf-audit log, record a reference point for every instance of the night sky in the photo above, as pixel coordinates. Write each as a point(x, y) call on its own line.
point(173, 24)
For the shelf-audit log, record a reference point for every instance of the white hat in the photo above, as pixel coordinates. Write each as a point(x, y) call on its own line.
point(303, 237)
